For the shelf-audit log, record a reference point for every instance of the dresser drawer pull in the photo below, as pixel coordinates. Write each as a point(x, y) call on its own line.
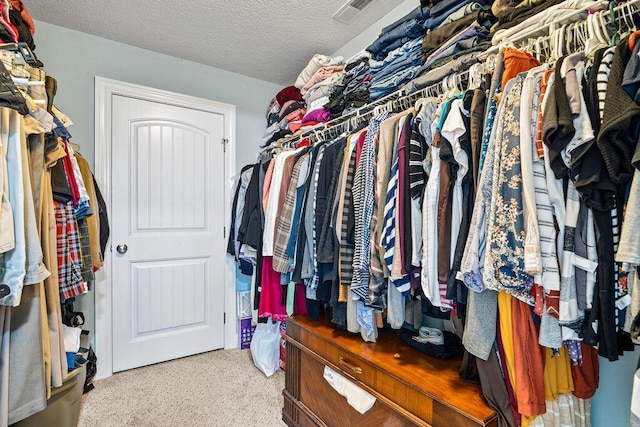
point(355, 369)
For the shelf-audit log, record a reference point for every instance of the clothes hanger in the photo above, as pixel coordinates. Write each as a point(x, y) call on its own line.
point(602, 28)
point(446, 88)
point(634, 34)
point(390, 106)
point(419, 104)
point(570, 38)
point(632, 11)
point(625, 19)
point(407, 102)
point(592, 38)
point(316, 133)
point(579, 36)
point(615, 38)
point(562, 41)
point(532, 47)
point(355, 121)
point(449, 89)
point(553, 44)
point(633, 29)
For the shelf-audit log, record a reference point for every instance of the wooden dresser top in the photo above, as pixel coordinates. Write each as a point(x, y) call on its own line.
point(434, 377)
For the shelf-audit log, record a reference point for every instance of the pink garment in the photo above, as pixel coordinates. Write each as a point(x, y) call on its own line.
point(320, 75)
point(6, 23)
point(267, 185)
point(320, 115)
point(272, 295)
point(295, 124)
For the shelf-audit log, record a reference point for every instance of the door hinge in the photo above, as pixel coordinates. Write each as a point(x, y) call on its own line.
point(224, 142)
point(224, 231)
point(224, 318)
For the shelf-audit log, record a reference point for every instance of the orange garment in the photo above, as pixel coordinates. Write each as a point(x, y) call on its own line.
point(529, 361)
point(24, 14)
point(587, 376)
point(515, 62)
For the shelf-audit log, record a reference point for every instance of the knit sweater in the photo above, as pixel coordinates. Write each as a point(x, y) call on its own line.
point(557, 126)
point(620, 123)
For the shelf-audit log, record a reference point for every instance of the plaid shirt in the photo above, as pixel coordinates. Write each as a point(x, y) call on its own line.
point(69, 254)
point(281, 262)
point(85, 250)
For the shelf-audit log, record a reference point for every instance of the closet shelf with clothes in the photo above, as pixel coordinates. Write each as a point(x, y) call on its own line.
point(426, 38)
point(393, 102)
point(503, 209)
point(53, 226)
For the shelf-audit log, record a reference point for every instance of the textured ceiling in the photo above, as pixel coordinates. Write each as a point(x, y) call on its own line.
point(271, 40)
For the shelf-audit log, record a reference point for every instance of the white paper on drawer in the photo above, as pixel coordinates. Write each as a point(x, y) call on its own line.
point(635, 396)
point(359, 399)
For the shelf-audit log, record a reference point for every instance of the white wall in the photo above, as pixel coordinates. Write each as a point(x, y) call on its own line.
point(367, 37)
point(75, 58)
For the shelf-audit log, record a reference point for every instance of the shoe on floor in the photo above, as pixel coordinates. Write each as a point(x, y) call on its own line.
point(429, 335)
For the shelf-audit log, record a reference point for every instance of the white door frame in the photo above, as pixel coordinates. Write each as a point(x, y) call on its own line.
point(104, 90)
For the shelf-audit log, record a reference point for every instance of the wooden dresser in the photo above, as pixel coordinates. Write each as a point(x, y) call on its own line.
point(410, 387)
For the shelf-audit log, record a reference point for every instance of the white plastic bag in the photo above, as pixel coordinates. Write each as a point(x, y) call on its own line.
point(265, 347)
point(71, 338)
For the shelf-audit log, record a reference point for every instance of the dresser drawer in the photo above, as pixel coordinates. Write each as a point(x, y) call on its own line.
point(333, 408)
point(421, 388)
point(359, 369)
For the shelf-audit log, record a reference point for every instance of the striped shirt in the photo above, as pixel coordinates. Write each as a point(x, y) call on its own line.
point(363, 204)
point(389, 230)
point(550, 280)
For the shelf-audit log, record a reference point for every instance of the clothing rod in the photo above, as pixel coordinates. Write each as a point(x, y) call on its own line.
point(339, 120)
point(26, 82)
point(433, 90)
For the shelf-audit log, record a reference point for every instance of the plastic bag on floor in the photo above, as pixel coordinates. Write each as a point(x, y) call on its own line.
point(265, 347)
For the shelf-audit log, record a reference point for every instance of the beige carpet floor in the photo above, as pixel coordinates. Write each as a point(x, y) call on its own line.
point(220, 388)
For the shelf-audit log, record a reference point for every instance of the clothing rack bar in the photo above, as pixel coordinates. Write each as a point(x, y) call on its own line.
point(314, 131)
point(392, 100)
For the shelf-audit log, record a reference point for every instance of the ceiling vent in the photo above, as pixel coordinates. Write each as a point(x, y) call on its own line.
point(349, 11)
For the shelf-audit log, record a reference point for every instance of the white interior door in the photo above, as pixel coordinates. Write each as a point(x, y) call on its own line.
point(167, 216)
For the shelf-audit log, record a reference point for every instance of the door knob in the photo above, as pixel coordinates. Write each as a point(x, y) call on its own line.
point(122, 248)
